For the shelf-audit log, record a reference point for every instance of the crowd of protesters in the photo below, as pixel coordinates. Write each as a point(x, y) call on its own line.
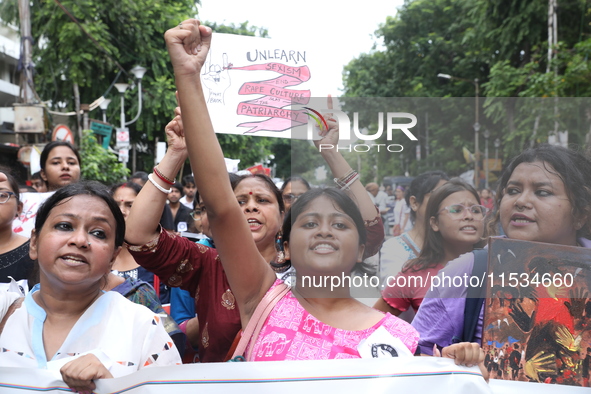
point(91, 247)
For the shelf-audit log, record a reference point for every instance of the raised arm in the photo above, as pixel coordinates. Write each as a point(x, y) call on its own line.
point(340, 168)
point(250, 276)
point(142, 223)
point(349, 178)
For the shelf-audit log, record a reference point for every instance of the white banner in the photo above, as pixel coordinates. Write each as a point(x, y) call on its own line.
point(408, 375)
point(404, 375)
point(250, 82)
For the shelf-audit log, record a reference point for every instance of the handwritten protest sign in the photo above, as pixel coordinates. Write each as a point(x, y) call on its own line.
point(250, 83)
point(25, 222)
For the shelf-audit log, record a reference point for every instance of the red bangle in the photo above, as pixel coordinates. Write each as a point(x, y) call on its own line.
point(162, 177)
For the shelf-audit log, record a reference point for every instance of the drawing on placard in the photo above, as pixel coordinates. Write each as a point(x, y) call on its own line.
point(251, 83)
point(537, 324)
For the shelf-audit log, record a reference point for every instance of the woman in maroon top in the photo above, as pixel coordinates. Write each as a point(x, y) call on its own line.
point(181, 263)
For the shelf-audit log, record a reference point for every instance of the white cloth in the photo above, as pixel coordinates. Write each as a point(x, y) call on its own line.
point(183, 201)
point(379, 200)
point(400, 211)
point(125, 336)
point(394, 253)
point(6, 299)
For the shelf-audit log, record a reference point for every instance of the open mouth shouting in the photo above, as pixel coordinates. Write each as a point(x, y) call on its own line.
point(254, 224)
point(469, 228)
point(519, 219)
point(74, 260)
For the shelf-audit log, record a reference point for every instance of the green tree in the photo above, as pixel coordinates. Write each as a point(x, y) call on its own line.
point(99, 164)
point(95, 43)
point(243, 29)
point(503, 44)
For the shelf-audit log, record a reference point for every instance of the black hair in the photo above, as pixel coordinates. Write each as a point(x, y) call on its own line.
point(130, 185)
point(178, 187)
point(570, 166)
point(188, 179)
point(140, 175)
point(270, 184)
point(233, 182)
point(54, 144)
point(12, 182)
point(434, 244)
point(422, 185)
point(37, 175)
point(88, 188)
point(342, 201)
point(294, 178)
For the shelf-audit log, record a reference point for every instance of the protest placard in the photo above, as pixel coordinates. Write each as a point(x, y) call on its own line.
point(537, 312)
point(250, 83)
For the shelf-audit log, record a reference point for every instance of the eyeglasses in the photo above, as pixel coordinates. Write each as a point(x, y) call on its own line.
point(5, 196)
point(290, 198)
point(196, 214)
point(457, 211)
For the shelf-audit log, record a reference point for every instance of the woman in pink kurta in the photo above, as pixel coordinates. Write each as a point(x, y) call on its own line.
point(292, 333)
point(323, 233)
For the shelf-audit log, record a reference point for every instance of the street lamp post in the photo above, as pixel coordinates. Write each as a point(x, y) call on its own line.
point(476, 124)
point(486, 135)
point(497, 145)
point(104, 105)
point(138, 72)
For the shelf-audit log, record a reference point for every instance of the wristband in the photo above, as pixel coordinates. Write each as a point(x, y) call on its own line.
point(343, 181)
point(350, 182)
point(157, 186)
point(162, 177)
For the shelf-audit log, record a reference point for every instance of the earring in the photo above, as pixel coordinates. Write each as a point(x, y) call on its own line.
point(278, 239)
point(280, 258)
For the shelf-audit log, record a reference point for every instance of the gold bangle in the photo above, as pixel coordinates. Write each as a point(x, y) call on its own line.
point(162, 176)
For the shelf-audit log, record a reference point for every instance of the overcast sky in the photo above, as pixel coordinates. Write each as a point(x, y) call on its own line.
point(341, 29)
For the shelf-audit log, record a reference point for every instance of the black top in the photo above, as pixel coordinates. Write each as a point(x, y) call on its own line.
point(182, 219)
point(166, 218)
point(16, 263)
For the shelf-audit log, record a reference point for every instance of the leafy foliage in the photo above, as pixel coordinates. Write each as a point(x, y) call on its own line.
point(121, 34)
point(500, 43)
point(99, 164)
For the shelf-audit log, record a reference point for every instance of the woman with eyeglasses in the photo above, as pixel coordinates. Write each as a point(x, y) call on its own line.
point(14, 248)
point(292, 189)
point(454, 224)
point(544, 195)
